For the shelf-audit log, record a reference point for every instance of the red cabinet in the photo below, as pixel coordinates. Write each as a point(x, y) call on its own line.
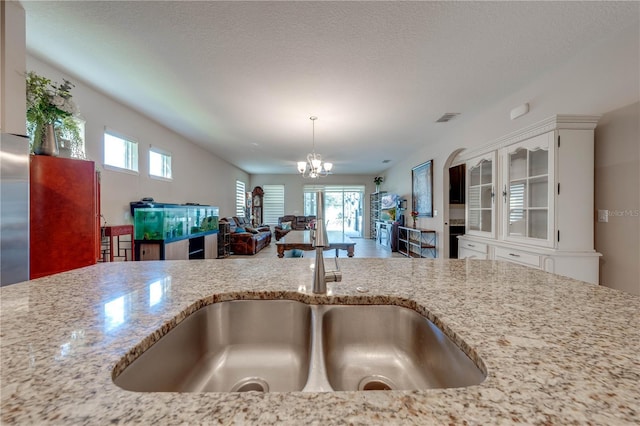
point(64, 215)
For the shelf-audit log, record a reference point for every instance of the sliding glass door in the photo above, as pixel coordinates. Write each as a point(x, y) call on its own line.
point(343, 209)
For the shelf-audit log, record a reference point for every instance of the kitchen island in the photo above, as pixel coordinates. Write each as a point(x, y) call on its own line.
point(555, 350)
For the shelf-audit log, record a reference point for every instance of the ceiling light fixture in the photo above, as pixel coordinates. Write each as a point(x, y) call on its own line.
point(314, 167)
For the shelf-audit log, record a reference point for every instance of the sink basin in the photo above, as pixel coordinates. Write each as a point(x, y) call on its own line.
point(288, 346)
point(384, 347)
point(239, 345)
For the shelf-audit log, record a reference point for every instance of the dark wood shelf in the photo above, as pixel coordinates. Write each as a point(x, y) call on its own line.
point(224, 240)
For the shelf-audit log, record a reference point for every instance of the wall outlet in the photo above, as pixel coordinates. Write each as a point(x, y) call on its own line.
point(603, 215)
point(435, 213)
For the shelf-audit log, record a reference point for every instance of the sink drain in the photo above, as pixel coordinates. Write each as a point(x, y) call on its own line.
point(376, 383)
point(251, 384)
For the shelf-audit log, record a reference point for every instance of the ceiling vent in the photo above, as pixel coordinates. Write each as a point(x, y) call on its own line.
point(447, 117)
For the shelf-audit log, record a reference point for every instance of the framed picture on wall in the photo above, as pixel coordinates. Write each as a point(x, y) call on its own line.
point(422, 189)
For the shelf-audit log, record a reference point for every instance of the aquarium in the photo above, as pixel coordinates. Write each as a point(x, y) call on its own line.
point(202, 219)
point(172, 221)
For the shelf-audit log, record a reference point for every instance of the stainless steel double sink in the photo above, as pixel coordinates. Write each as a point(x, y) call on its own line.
point(288, 346)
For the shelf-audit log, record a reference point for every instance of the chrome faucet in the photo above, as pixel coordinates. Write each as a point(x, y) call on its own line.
point(321, 240)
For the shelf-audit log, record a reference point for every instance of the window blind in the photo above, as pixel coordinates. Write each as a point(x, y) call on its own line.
point(333, 188)
point(272, 203)
point(240, 196)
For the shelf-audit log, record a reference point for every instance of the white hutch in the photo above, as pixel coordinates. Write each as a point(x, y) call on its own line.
point(530, 198)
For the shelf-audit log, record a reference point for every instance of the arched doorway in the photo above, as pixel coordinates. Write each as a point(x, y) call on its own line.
point(448, 213)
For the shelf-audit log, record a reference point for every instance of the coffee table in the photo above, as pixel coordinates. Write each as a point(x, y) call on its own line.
point(301, 240)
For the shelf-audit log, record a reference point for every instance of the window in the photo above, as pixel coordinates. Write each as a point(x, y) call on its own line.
point(273, 203)
point(159, 163)
point(240, 200)
point(343, 207)
point(120, 153)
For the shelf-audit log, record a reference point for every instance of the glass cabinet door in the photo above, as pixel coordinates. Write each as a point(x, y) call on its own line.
point(480, 195)
point(527, 190)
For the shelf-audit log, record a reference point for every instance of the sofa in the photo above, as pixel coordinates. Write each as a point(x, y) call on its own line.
point(244, 238)
point(292, 223)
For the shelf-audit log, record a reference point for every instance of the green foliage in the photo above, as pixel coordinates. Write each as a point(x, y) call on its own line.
point(50, 102)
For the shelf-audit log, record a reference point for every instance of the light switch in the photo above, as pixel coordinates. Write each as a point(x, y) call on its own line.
point(603, 215)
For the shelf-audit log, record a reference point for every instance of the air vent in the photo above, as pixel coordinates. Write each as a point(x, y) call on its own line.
point(447, 117)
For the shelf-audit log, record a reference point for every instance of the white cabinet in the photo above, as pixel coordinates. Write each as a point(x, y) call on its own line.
point(530, 198)
point(517, 256)
point(527, 190)
point(471, 249)
point(480, 195)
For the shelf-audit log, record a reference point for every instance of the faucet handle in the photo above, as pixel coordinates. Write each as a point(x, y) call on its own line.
point(333, 276)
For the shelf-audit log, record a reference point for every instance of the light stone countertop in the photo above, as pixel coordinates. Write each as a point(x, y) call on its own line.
point(556, 350)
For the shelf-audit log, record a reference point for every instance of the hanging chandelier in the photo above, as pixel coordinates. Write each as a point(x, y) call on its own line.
point(314, 167)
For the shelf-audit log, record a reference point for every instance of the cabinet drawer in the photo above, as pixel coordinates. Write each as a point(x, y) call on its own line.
point(472, 245)
point(517, 256)
point(465, 253)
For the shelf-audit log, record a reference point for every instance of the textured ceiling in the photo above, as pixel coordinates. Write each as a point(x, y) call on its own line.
point(242, 78)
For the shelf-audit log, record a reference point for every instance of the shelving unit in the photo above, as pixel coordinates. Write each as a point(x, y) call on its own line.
point(224, 240)
point(416, 242)
point(375, 200)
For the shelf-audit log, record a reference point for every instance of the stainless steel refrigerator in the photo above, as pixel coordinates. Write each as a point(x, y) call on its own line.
point(14, 208)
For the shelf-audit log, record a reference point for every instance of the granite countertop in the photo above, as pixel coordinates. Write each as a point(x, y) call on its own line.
point(556, 350)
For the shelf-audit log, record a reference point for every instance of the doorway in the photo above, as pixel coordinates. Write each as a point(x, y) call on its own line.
point(454, 213)
point(457, 179)
point(343, 207)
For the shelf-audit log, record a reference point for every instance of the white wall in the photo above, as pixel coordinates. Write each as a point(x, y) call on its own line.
point(198, 175)
point(617, 179)
point(595, 81)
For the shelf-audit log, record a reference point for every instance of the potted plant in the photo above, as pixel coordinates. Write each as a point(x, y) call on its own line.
point(378, 180)
point(51, 114)
point(414, 216)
